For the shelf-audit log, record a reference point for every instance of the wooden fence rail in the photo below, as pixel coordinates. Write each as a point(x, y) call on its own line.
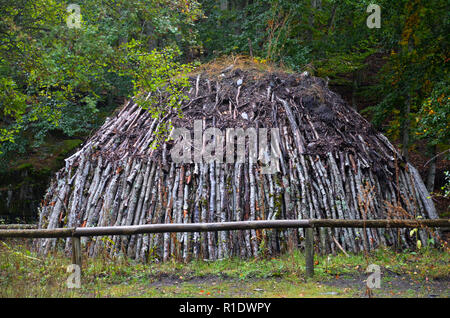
point(17, 226)
point(76, 233)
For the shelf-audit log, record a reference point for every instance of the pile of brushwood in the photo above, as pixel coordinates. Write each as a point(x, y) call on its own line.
point(327, 162)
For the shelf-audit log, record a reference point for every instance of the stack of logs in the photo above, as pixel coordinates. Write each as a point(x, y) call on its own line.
point(332, 164)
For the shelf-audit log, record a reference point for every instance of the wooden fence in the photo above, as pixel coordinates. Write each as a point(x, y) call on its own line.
point(20, 231)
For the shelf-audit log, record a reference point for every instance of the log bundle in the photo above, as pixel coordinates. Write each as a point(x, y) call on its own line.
point(333, 165)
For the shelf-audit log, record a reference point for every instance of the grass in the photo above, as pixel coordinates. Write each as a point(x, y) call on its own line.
point(407, 274)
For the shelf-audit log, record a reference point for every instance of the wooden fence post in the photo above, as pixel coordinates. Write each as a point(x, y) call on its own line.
point(309, 251)
point(76, 251)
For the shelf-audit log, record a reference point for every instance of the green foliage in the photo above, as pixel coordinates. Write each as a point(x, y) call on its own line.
point(331, 39)
point(268, 27)
point(294, 33)
point(414, 35)
point(157, 76)
point(53, 77)
point(434, 116)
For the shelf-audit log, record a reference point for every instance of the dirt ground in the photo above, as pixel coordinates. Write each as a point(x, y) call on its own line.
point(396, 286)
point(392, 286)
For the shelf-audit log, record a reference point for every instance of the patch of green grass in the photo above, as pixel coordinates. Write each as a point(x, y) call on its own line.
point(25, 274)
point(428, 263)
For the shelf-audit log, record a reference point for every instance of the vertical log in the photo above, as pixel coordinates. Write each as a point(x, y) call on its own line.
point(323, 241)
point(212, 211)
point(432, 169)
point(309, 252)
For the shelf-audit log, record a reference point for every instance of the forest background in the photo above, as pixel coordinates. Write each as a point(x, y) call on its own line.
point(65, 66)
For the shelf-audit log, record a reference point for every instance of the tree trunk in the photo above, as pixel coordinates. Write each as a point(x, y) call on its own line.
point(432, 169)
point(405, 128)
